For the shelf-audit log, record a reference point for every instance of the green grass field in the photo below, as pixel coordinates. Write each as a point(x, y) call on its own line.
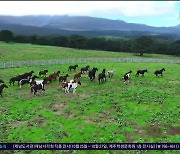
point(21, 52)
point(145, 110)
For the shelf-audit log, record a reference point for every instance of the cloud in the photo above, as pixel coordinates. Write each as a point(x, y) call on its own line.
point(91, 8)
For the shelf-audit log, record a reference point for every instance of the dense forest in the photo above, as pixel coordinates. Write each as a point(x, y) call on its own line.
point(141, 45)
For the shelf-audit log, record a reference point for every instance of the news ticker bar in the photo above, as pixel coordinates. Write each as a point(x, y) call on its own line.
point(89, 146)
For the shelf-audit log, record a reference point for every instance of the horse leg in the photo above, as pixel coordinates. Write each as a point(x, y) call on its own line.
point(31, 89)
point(74, 90)
point(68, 90)
point(34, 92)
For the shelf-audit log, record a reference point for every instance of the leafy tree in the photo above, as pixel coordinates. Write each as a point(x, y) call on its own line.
point(174, 48)
point(60, 41)
point(143, 44)
point(43, 40)
point(21, 39)
point(6, 36)
point(33, 39)
point(77, 41)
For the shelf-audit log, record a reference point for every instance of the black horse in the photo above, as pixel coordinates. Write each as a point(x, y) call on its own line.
point(1, 81)
point(102, 76)
point(72, 67)
point(127, 76)
point(37, 87)
point(84, 69)
point(141, 72)
point(92, 73)
point(27, 75)
point(159, 71)
point(43, 73)
point(17, 78)
point(20, 77)
point(25, 81)
point(2, 87)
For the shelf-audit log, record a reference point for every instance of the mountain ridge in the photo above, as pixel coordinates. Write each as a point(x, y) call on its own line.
point(78, 24)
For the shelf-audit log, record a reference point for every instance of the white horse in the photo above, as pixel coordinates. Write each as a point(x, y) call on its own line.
point(72, 84)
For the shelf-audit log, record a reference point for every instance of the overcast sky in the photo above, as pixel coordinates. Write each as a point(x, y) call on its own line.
point(154, 13)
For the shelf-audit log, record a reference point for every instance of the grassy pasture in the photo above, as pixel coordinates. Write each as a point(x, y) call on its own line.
point(21, 52)
point(145, 110)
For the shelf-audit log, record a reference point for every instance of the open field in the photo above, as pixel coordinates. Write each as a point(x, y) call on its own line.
point(21, 52)
point(145, 110)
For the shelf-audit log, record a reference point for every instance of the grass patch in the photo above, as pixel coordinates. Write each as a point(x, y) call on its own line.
point(145, 110)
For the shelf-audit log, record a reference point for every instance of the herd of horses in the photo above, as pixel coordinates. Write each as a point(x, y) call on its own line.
point(35, 84)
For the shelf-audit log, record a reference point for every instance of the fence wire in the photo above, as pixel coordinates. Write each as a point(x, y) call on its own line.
point(83, 60)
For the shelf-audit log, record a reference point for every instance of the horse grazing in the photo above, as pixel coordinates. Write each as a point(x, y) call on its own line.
point(110, 73)
point(78, 75)
point(72, 67)
point(141, 72)
point(37, 87)
point(127, 76)
point(43, 73)
point(92, 73)
point(1, 88)
point(63, 78)
point(102, 76)
point(159, 72)
point(84, 69)
point(1, 81)
point(73, 84)
point(54, 75)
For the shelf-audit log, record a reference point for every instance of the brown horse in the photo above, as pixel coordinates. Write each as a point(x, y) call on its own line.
point(63, 78)
point(54, 75)
point(77, 76)
point(47, 79)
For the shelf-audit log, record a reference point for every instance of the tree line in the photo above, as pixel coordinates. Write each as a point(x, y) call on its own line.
point(141, 45)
